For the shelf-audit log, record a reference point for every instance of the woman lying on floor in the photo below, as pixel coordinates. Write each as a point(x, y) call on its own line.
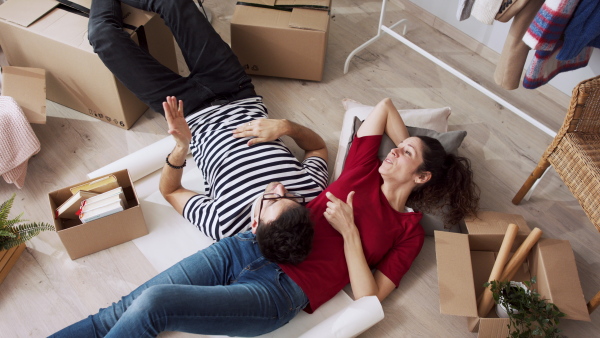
point(230, 288)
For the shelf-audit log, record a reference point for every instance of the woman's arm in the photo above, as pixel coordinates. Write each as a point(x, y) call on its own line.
point(340, 215)
point(384, 118)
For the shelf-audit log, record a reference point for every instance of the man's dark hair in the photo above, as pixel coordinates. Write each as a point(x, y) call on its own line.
point(287, 239)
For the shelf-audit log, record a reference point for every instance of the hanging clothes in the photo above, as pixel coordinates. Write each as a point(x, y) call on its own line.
point(583, 30)
point(509, 8)
point(486, 10)
point(563, 33)
point(550, 22)
point(545, 65)
point(545, 35)
point(464, 9)
point(514, 52)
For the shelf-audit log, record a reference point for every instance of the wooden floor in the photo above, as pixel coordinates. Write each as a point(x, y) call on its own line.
point(47, 291)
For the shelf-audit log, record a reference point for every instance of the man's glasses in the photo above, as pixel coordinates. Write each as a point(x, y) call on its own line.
point(288, 195)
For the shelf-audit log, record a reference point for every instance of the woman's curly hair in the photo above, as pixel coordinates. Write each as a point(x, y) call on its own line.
point(451, 187)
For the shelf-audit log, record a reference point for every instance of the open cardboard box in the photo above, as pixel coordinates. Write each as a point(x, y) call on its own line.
point(84, 239)
point(465, 261)
point(48, 35)
point(28, 87)
point(283, 38)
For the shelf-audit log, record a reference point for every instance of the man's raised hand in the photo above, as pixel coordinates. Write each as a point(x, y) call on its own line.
point(178, 126)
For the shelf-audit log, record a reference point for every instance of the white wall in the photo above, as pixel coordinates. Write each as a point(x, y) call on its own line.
point(494, 35)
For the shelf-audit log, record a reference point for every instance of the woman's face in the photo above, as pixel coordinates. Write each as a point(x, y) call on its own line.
point(401, 164)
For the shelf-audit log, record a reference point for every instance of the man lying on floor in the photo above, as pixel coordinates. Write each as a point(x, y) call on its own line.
point(236, 147)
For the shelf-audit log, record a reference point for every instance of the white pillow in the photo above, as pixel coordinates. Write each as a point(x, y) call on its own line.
point(432, 118)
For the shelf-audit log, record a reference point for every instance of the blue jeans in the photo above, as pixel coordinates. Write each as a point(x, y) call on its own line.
point(216, 76)
point(228, 288)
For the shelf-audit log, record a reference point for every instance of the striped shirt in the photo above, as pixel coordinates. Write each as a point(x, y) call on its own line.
point(236, 174)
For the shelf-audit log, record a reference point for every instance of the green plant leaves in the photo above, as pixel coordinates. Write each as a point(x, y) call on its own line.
point(529, 314)
point(15, 231)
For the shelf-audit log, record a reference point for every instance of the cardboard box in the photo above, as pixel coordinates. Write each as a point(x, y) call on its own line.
point(28, 87)
point(83, 239)
point(44, 34)
point(465, 261)
point(283, 38)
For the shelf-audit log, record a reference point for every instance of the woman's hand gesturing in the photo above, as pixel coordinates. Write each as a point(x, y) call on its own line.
point(339, 214)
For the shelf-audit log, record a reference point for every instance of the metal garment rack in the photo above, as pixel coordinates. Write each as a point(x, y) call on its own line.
point(385, 29)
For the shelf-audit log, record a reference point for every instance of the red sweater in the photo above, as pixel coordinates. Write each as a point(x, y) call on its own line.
point(391, 240)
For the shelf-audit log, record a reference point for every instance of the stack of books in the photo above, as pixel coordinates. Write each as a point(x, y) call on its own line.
point(93, 200)
point(102, 205)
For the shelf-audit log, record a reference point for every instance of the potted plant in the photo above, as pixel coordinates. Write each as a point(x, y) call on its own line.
point(510, 291)
point(13, 235)
point(529, 314)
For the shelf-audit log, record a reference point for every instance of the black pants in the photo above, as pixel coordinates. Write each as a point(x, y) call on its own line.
point(216, 75)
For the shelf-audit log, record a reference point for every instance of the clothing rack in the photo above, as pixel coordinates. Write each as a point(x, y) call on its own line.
point(385, 29)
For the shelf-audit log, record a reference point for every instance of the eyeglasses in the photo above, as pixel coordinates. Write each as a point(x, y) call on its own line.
point(288, 196)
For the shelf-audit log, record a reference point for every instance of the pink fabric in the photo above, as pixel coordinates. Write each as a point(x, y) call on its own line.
point(17, 142)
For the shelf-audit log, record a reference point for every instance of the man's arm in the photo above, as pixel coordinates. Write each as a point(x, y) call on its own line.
point(170, 179)
point(265, 130)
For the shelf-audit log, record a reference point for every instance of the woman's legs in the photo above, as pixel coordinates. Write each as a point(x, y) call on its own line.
point(215, 70)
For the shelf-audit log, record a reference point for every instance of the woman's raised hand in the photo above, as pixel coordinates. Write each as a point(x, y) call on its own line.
point(178, 127)
point(263, 130)
point(339, 214)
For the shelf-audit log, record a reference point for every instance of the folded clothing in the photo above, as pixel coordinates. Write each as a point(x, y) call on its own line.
point(17, 142)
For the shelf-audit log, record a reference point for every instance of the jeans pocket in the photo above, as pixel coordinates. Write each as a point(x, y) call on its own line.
point(295, 298)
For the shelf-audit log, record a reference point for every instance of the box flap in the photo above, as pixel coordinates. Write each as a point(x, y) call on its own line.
point(320, 4)
point(492, 222)
point(314, 3)
point(259, 2)
point(283, 14)
point(28, 87)
point(455, 274)
point(25, 12)
point(493, 328)
point(260, 17)
point(562, 285)
point(309, 19)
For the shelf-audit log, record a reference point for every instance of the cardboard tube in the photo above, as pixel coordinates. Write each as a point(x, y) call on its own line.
point(520, 255)
point(486, 300)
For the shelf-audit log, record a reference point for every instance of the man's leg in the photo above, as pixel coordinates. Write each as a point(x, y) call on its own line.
point(216, 265)
point(259, 299)
point(215, 70)
point(141, 73)
point(210, 60)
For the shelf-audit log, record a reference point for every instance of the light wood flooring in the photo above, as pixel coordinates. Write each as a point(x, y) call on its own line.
point(47, 291)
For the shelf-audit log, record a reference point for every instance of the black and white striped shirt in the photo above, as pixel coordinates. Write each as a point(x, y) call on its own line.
point(236, 174)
